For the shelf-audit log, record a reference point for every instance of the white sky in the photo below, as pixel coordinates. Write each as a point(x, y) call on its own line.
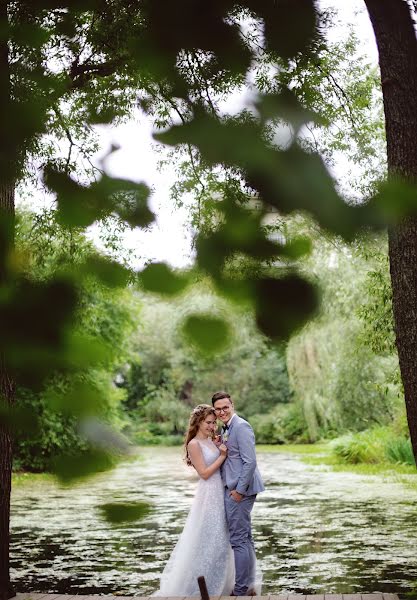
point(169, 239)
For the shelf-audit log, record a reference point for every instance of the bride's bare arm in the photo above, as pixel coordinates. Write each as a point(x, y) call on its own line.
point(197, 459)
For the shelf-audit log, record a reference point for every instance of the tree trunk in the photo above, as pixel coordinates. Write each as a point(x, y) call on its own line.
point(6, 397)
point(8, 164)
point(397, 47)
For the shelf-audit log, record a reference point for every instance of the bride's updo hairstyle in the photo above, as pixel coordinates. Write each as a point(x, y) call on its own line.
point(198, 414)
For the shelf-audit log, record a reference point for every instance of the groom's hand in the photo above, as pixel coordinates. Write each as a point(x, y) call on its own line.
point(236, 496)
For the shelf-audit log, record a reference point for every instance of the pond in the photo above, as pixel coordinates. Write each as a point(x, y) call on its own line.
point(315, 530)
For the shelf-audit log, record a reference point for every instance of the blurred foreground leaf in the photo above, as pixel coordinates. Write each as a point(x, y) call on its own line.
point(70, 468)
point(79, 400)
point(22, 421)
point(82, 351)
point(160, 279)
point(286, 106)
point(34, 319)
point(125, 511)
point(81, 206)
point(395, 199)
point(208, 333)
point(297, 247)
point(101, 435)
point(284, 305)
point(289, 26)
point(108, 271)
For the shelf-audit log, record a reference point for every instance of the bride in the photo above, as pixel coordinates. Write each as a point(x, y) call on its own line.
point(203, 547)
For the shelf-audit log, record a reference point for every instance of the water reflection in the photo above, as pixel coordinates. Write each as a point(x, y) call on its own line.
point(316, 531)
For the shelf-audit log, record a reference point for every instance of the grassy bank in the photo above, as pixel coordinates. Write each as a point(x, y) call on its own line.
point(324, 454)
point(23, 478)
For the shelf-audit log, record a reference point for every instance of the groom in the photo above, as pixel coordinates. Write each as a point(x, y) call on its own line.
point(242, 482)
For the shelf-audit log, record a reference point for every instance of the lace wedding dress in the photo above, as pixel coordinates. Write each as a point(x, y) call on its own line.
point(203, 547)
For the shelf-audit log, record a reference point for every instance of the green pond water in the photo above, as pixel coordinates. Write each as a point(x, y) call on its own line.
point(315, 530)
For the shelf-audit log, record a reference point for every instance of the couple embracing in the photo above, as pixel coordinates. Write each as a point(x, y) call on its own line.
point(217, 538)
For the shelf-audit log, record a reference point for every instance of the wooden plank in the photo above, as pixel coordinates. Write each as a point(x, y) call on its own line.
point(279, 597)
point(390, 596)
point(39, 596)
point(59, 596)
point(33, 595)
point(318, 597)
point(333, 597)
point(352, 597)
point(296, 597)
point(377, 596)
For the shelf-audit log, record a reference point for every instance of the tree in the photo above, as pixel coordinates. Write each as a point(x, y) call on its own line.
point(393, 25)
point(52, 57)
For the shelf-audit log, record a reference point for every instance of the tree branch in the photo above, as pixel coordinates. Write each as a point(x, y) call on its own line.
point(82, 74)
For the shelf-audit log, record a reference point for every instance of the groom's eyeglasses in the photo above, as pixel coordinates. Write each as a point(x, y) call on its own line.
point(222, 409)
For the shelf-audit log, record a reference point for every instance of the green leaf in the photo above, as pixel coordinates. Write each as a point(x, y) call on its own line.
point(109, 272)
point(160, 279)
point(70, 468)
point(34, 317)
point(30, 34)
point(82, 351)
point(208, 333)
point(80, 399)
point(297, 248)
point(22, 421)
point(285, 105)
point(81, 206)
point(122, 512)
point(239, 291)
point(395, 199)
point(284, 305)
point(78, 205)
point(289, 26)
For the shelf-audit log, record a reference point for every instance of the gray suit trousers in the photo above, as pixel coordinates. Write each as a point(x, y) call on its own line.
point(238, 515)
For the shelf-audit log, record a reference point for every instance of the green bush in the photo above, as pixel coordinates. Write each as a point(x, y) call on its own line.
point(146, 438)
point(285, 423)
point(54, 434)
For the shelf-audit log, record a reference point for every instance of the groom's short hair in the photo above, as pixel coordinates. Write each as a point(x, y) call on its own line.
point(220, 396)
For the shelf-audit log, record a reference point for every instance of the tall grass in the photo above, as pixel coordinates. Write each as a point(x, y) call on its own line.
point(376, 445)
point(400, 450)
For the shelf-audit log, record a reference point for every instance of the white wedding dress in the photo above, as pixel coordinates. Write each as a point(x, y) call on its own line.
point(203, 547)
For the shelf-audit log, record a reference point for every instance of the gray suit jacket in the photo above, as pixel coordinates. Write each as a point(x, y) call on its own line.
point(239, 470)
